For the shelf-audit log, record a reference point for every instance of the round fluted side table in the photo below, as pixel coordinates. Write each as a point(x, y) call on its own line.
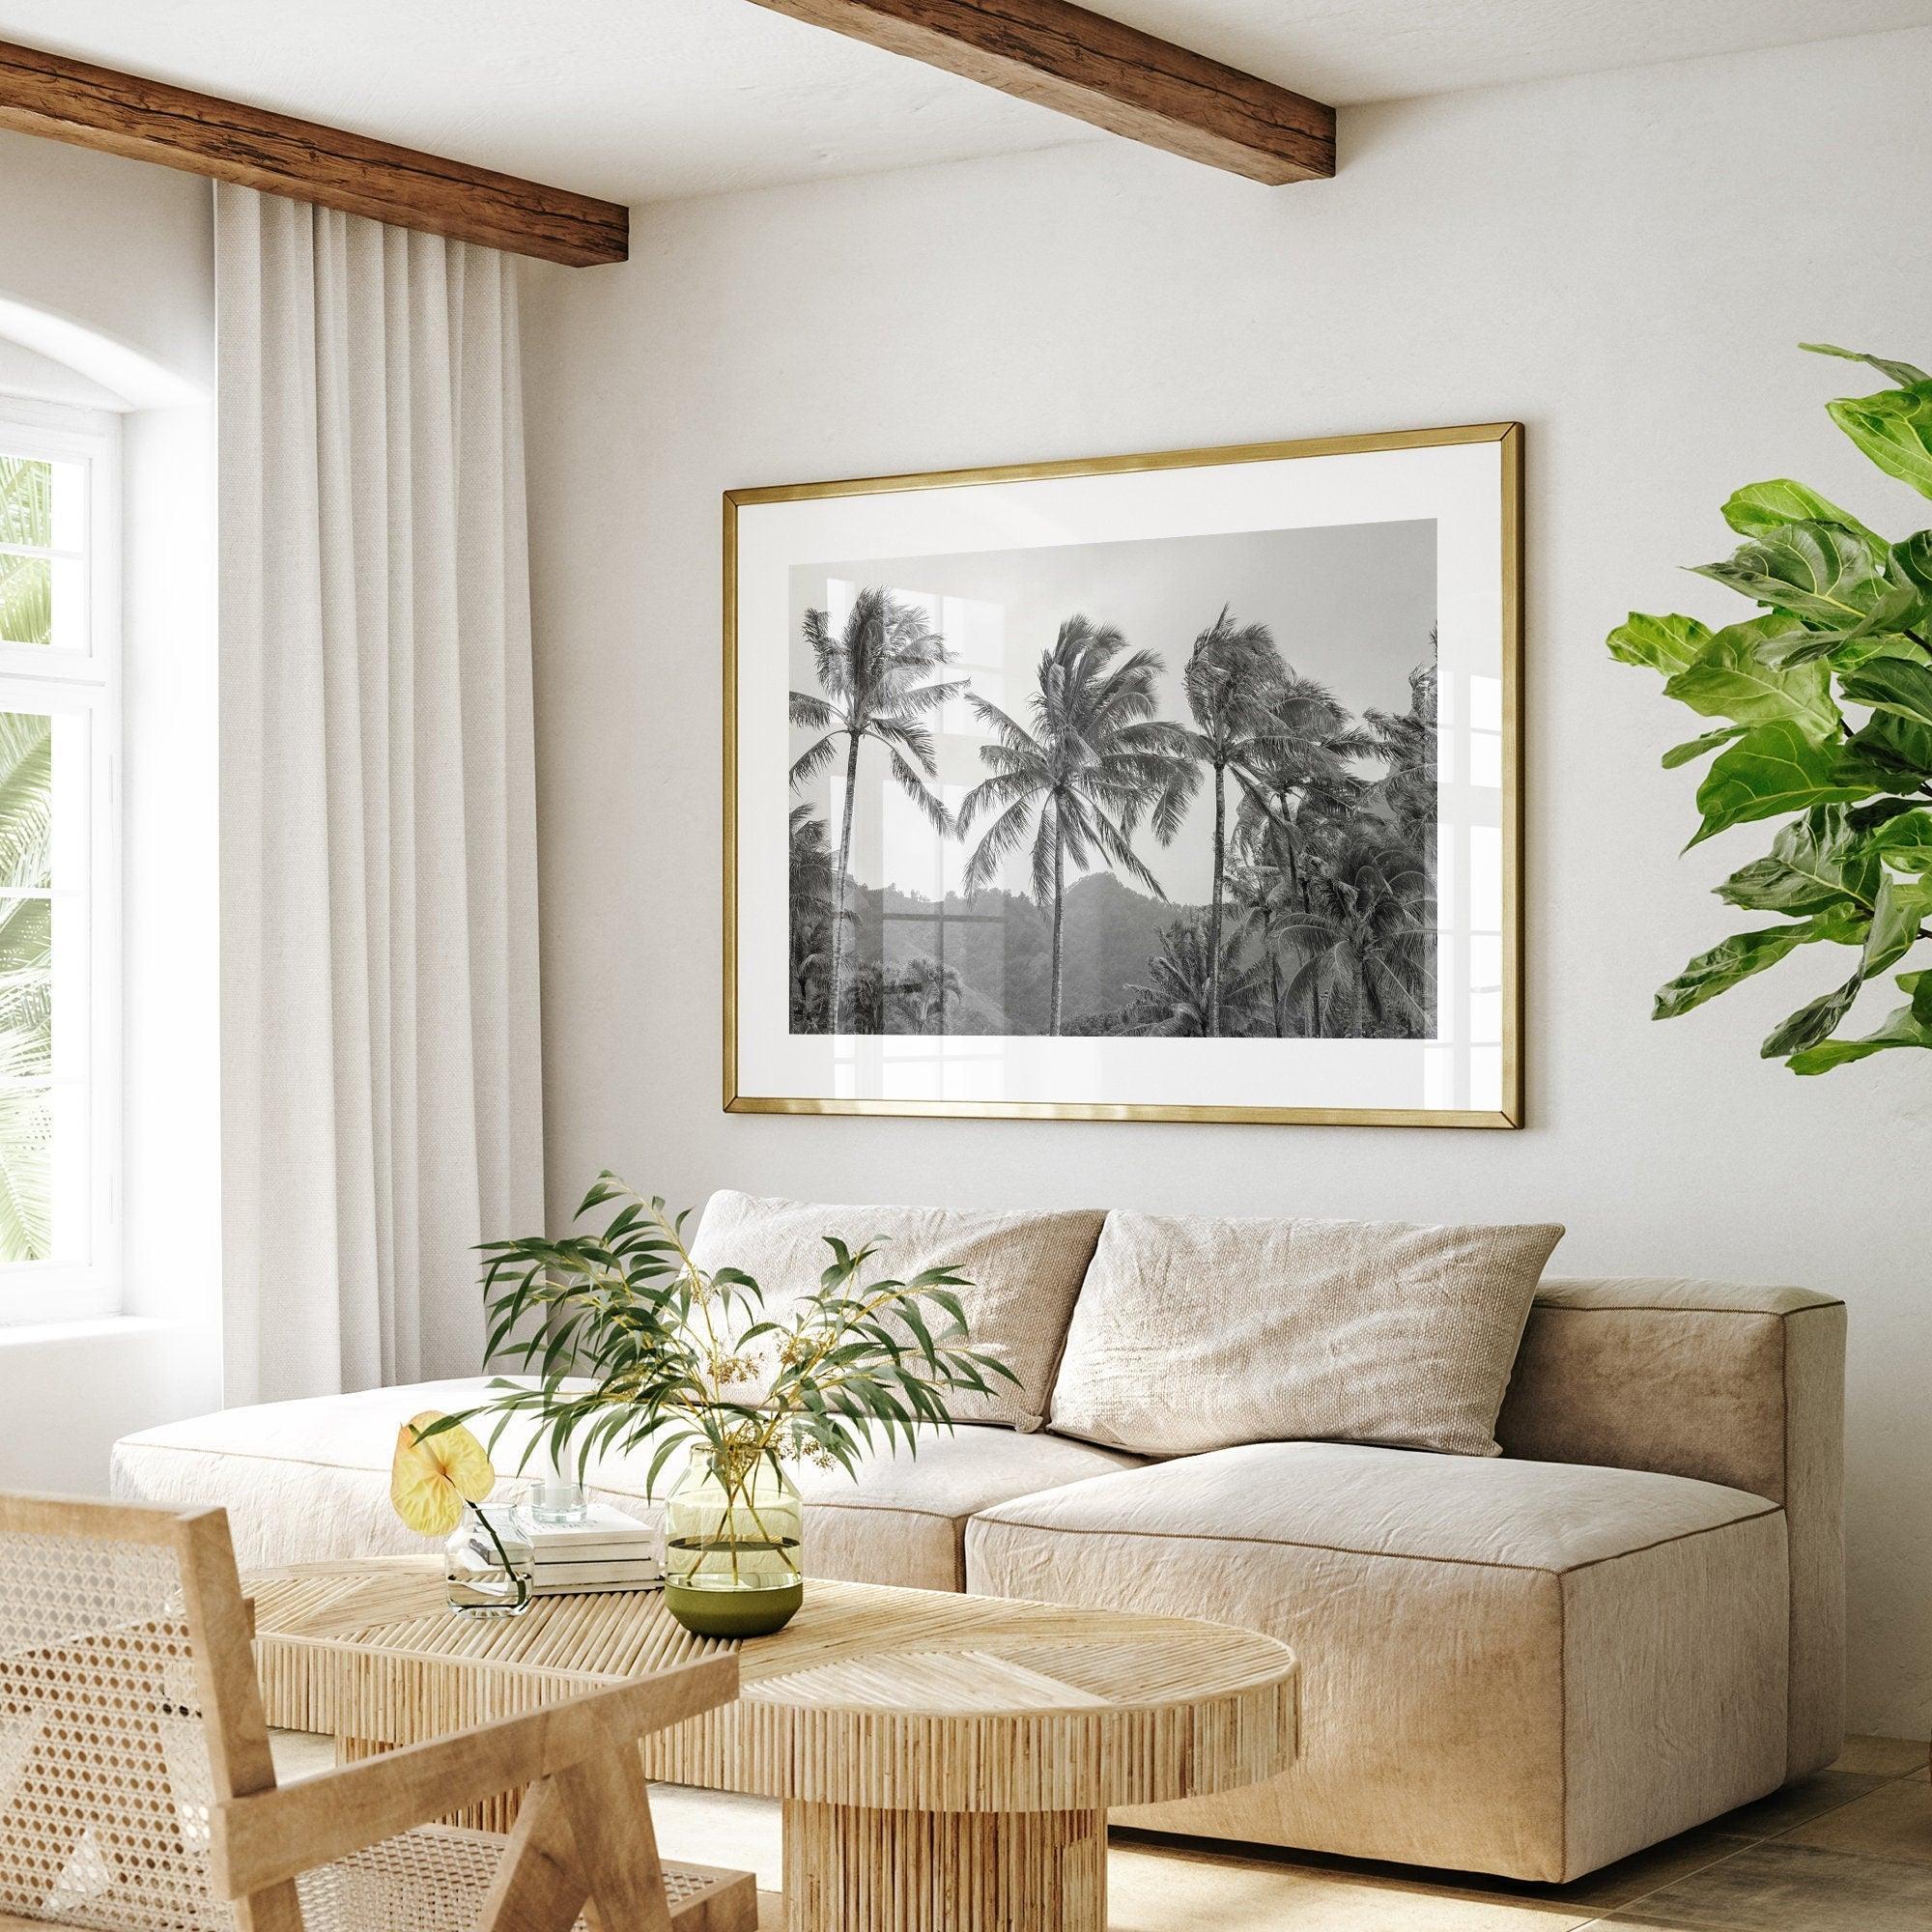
point(946, 1763)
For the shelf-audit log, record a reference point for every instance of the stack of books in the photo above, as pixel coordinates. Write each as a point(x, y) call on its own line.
point(607, 1550)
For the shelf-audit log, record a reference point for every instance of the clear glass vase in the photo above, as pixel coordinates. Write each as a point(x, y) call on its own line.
point(732, 1534)
point(489, 1563)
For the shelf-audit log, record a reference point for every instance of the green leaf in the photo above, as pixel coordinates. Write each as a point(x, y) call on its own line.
point(1903, 905)
point(1919, 986)
point(1821, 573)
point(1694, 748)
point(1771, 769)
point(1893, 683)
point(1903, 1026)
point(1901, 372)
point(1911, 560)
point(1744, 953)
point(1810, 1024)
point(1894, 429)
point(1906, 841)
point(1760, 509)
point(1664, 644)
point(1817, 861)
point(1888, 754)
point(1730, 679)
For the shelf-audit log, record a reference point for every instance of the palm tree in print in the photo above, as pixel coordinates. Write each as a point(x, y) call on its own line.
point(1235, 681)
point(1173, 1003)
point(1078, 783)
point(873, 685)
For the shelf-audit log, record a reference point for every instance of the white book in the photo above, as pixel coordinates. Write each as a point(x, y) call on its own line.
point(602, 1526)
point(633, 1570)
point(542, 1587)
point(630, 1550)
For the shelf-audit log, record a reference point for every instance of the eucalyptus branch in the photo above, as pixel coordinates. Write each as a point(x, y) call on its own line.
point(661, 1342)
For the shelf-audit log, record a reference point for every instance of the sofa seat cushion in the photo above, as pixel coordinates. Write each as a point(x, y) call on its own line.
point(1522, 1667)
point(309, 1481)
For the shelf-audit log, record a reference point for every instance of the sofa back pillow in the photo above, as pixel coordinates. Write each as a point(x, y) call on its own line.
point(1025, 1272)
point(1193, 1334)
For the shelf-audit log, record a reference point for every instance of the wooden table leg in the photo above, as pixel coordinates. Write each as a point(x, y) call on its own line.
point(849, 1868)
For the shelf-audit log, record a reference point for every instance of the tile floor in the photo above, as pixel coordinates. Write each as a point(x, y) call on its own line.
point(1848, 1850)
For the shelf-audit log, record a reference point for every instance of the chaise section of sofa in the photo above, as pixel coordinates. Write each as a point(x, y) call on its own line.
point(1522, 1668)
point(309, 1481)
point(1630, 1622)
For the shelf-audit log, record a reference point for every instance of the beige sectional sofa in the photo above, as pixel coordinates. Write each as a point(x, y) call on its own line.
point(1529, 1663)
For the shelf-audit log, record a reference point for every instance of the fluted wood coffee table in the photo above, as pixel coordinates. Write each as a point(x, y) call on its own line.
point(944, 1761)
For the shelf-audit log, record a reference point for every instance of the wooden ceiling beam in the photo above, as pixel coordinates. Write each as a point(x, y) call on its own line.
point(151, 120)
point(1115, 76)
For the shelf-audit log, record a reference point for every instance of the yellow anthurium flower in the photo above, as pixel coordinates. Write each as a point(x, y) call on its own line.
point(432, 1480)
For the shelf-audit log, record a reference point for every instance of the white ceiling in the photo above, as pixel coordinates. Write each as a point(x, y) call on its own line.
point(649, 100)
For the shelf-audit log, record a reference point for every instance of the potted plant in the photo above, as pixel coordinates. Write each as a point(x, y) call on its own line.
point(1823, 704)
point(627, 1345)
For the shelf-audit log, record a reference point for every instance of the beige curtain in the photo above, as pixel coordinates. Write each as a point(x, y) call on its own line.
point(379, 1055)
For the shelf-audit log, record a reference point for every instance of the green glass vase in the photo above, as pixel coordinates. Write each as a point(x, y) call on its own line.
point(732, 1535)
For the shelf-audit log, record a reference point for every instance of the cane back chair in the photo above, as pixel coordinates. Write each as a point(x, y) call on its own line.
point(137, 1795)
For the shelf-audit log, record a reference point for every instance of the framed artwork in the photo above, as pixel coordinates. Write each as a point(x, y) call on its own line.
point(1176, 787)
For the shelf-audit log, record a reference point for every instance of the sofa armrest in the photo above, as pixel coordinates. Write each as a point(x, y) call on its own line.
point(1731, 1384)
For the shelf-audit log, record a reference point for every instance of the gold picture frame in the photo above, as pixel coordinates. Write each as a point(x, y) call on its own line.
point(1508, 437)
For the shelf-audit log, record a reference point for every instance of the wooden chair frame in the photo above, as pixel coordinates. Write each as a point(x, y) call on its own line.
point(582, 1846)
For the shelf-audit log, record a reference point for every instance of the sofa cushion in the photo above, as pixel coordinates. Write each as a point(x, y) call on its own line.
point(1025, 1272)
point(309, 1481)
point(1520, 1667)
point(1194, 1333)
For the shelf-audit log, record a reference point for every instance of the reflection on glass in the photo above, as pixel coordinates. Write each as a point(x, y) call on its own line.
point(1486, 878)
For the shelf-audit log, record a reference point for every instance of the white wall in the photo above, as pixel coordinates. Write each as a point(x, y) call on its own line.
point(1625, 263)
point(110, 263)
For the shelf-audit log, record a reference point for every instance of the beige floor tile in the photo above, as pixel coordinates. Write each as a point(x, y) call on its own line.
point(299, 1755)
point(1894, 1822)
point(1596, 1891)
point(1232, 1901)
point(720, 1828)
point(1158, 1891)
point(1805, 1798)
point(1883, 1758)
point(1781, 1887)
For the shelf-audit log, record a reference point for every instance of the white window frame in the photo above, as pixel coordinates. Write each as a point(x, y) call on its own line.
point(84, 680)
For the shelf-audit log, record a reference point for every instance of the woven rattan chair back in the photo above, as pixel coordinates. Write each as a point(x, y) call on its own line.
point(137, 1793)
point(108, 1669)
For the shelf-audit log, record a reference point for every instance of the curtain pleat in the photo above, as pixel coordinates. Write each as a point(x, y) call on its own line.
point(381, 1079)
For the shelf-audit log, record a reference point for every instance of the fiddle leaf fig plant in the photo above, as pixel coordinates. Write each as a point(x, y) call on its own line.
point(1820, 710)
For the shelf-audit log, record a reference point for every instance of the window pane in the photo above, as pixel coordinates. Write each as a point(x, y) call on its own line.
point(44, 1183)
point(26, 599)
point(26, 1174)
point(27, 501)
point(26, 989)
point(26, 799)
